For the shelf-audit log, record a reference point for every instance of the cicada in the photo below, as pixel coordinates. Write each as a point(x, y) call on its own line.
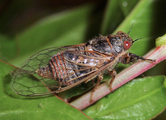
point(59, 69)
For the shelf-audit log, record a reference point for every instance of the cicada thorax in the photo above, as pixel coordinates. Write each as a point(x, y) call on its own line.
point(111, 45)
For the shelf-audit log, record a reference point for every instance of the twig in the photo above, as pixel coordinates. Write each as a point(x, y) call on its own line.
point(159, 54)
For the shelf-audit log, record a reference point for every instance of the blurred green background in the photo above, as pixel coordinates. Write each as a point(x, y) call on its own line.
point(17, 15)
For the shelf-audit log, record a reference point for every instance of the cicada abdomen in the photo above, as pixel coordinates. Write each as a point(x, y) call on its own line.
point(68, 67)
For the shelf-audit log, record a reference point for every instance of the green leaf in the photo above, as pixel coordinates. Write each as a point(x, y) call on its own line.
point(16, 107)
point(7, 48)
point(140, 99)
point(116, 11)
point(161, 40)
point(54, 28)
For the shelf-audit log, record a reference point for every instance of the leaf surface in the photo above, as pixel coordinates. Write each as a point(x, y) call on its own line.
point(140, 99)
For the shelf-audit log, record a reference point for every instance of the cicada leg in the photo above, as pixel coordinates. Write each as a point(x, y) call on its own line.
point(130, 57)
point(59, 88)
point(113, 74)
point(99, 79)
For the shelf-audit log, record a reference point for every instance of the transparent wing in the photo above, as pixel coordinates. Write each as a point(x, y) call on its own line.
point(26, 81)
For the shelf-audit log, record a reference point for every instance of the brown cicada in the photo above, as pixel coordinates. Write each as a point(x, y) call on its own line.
point(60, 69)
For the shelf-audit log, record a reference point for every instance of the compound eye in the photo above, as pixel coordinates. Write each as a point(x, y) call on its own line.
point(126, 45)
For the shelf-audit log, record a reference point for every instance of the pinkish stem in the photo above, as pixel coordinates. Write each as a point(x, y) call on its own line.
point(159, 54)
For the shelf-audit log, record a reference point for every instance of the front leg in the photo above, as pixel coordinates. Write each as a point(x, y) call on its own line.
point(113, 74)
point(130, 57)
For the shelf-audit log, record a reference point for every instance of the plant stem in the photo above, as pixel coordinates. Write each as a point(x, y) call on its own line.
point(159, 54)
